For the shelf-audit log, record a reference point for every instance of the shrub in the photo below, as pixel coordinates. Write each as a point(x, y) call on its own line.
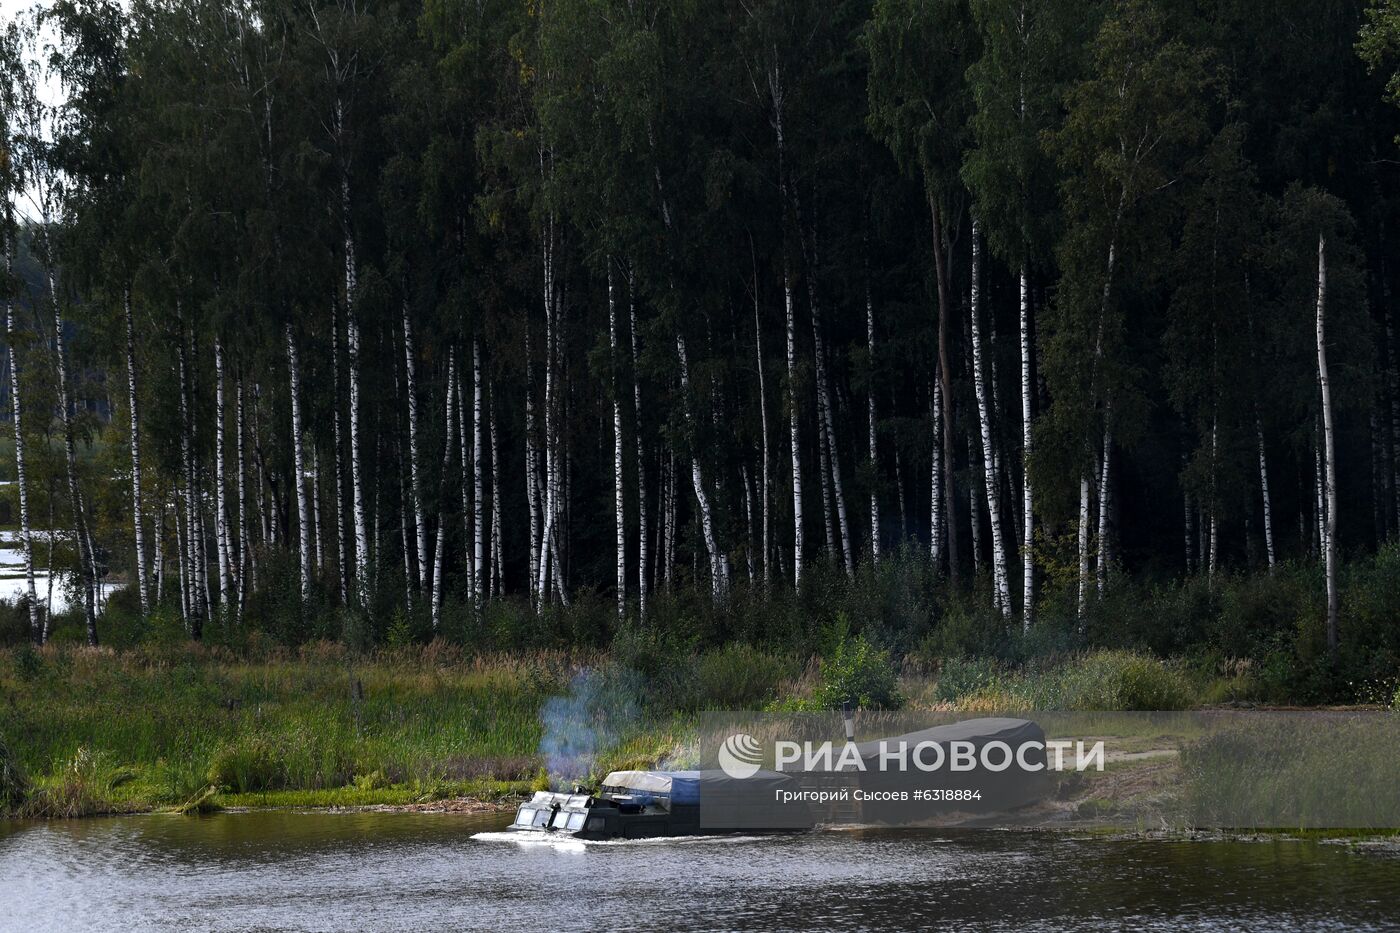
point(1256, 607)
point(1121, 680)
point(29, 663)
point(859, 673)
point(962, 676)
point(738, 676)
point(652, 650)
point(14, 622)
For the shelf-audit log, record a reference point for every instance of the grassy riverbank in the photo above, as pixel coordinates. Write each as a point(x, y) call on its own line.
point(271, 713)
point(92, 731)
point(99, 730)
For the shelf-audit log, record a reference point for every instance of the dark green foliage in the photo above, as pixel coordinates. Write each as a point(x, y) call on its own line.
point(857, 672)
point(958, 677)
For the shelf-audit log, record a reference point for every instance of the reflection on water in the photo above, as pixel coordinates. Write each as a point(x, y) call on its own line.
point(396, 871)
point(14, 586)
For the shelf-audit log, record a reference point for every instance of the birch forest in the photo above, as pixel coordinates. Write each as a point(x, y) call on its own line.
point(549, 319)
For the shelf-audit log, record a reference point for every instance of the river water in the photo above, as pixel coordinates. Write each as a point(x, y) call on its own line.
point(409, 871)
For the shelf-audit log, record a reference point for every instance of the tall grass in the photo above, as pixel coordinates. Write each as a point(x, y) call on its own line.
point(1101, 680)
point(102, 730)
point(316, 718)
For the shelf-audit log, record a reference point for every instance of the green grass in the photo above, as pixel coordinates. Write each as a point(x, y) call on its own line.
point(1322, 770)
point(1112, 680)
point(398, 795)
point(100, 731)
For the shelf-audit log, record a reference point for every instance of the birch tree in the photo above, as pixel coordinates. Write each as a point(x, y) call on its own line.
point(1329, 450)
point(299, 466)
point(1000, 578)
point(919, 106)
point(26, 537)
point(1028, 55)
point(1129, 126)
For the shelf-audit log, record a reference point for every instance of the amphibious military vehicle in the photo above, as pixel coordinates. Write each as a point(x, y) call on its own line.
point(643, 804)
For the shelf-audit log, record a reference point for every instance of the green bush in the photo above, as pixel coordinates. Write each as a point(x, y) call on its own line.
point(858, 673)
point(739, 676)
point(960, 677)
point(1121, 680)
point(14, 622)
point(29, 663)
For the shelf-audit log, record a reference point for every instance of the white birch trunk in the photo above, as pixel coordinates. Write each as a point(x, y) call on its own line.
point(464, 440)
point(352, 347)
point(299, 467)
point(797, 535)
point(618, 491)
point(190, 568)
point(265, 523)
point(871, 424)
point(85, 557)
point(227, 593)
point(435, 581)
point(1105, 531)
point(831, 456)
point(478, 482)
point(750, 549)
point(25, 535)
point(532, 490)
point(1264, 491)
point(551, 482)
point(1214, 505)
point(407, 536)
point(824, 474)
point(1028, 509)
point(643, 554)
point(342, 558)
point(497, 580)
point(137, 513)
point(1329, 455)
point(357, 476)
point(1083, 602)
point(775, 87)
point(902, 498)
point(669, 518)
point(1105, 470)
point(247, 568)
point(420, 526)
point(159, 556)
point(936, 477)
point(719, 565)
point(993, 487)
point(316, 523)
point(181, 567)
point(1319, 531)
